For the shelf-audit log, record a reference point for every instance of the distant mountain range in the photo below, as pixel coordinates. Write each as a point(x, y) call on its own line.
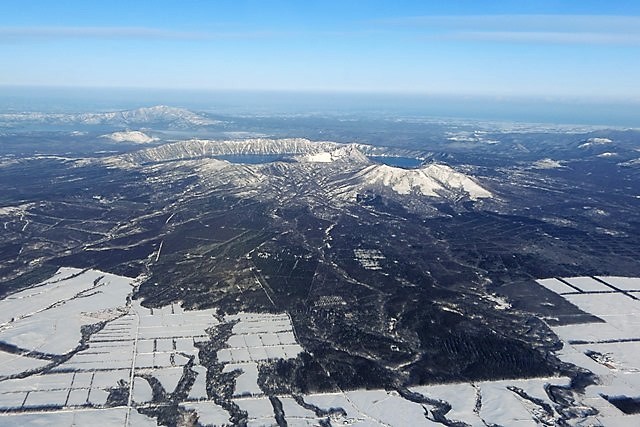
point(159, 115)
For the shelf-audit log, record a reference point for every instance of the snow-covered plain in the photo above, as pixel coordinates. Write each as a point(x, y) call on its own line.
point(610, 349)
point(518, 402)
point(48, 317)
point(10, 364)
point(369, 258)
point(132, 344)
point(209, 413)
point(136, 343)
point(257, 337)
point(85, 417)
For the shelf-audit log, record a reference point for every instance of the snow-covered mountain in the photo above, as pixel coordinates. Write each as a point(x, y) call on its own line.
point(347, 153)
point(321, 173)
point(433, 180)
point(159, 115)
point(134, 136)
point(590, 142)
point(201, 148)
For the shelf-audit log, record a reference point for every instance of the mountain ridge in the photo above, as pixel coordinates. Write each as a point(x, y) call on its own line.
point(172, 117)
point(323, 170)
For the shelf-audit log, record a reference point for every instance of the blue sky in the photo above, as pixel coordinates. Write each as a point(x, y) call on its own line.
point(566, 49)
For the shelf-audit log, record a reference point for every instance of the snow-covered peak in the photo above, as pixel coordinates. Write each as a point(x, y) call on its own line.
point(350, 171)
point(430, 180)
point(595, 141)
point(130, 136)
point(347, 153)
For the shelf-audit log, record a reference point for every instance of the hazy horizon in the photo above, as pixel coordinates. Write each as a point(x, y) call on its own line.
point(569, 111)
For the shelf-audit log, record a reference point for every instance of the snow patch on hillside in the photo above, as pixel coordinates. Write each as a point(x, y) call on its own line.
point(630, 163)
point(547, 164)
point(17, 210)
point(349, 153)
point(134, 136)
point(595, 141)
point(428, 180)
point(607, 154)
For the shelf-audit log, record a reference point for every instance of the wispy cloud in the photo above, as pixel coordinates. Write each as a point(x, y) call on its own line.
point(27, 33)
point(558, 29)
point(522, 22)
point(9, 34)
point(543, 37)
point(541, 29)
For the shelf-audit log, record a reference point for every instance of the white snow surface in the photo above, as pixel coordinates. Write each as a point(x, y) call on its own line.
point(547, 164)
point(247, 381)
point(259, 409)
point(257, 337)
point(346, 153)
point(202, 148)
point(427, 180)
point(156, 342)
point(48, 316)
point(18, 210)
point(168, 377)
point(11, 364)
point(610, 349)
point(114, 417)
point(595, 141)
point(134, 341)
point(209, 413)
point(135, 136)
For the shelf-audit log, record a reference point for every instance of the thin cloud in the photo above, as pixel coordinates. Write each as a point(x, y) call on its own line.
point(558, 29)
point(567, 23)
point(542, 37)
point(48, 33)
point(144, 33)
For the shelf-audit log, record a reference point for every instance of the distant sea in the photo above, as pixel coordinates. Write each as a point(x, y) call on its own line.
point(510, 109)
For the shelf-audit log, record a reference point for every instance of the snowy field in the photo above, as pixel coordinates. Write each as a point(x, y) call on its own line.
point(53, 373)
point(70, 376)
point(609, 349)
point(48, 317)
point(256, 338)
point(369, 258)
point(518, 402)
point(260, 337)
